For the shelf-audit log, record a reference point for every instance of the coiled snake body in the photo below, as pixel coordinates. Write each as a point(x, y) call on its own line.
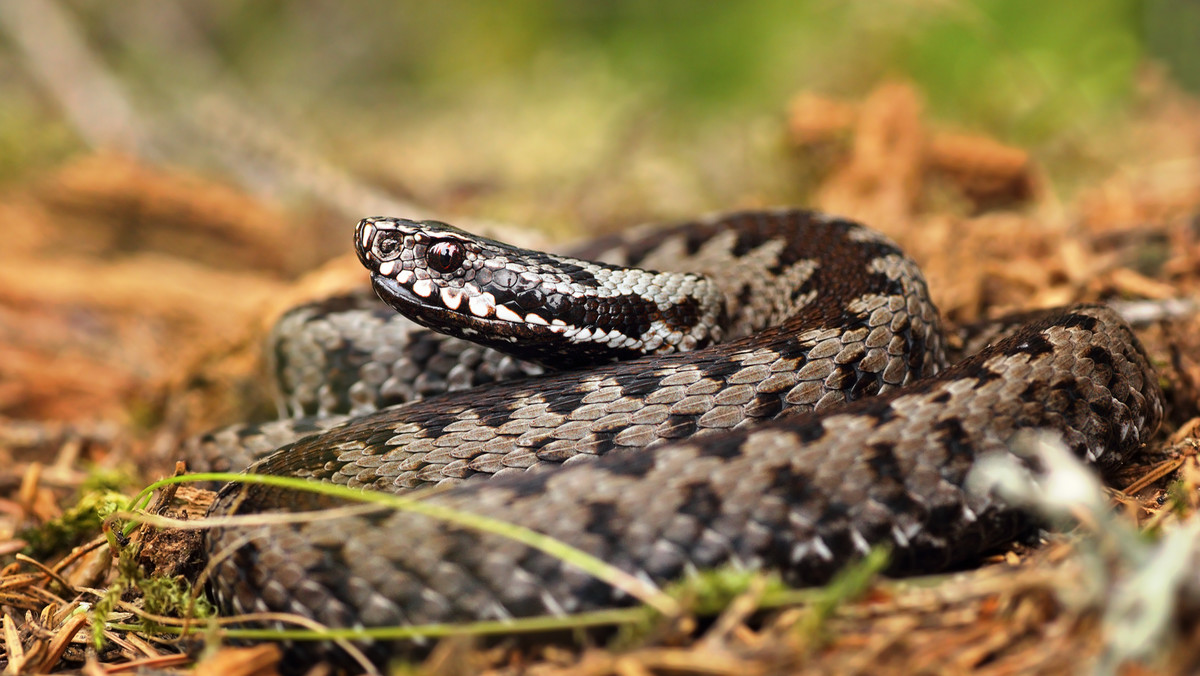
point(821, 425)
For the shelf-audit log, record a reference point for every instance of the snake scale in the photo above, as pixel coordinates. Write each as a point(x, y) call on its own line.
point(792, 411)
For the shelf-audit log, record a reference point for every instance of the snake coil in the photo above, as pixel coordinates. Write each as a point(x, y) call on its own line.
point(791, 410)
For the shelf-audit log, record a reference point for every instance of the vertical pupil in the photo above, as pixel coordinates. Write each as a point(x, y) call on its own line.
point(444, 256)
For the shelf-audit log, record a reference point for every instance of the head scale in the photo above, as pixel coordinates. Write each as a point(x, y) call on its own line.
point(557, 311)
point(457, 283)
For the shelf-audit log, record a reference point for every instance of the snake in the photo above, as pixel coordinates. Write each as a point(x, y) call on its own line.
point(765, 390)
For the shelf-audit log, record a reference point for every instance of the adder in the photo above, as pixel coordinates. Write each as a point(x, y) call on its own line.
point(764, 389)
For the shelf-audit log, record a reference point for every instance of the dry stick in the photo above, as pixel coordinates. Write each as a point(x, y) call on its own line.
point(238, 134)
point(20, 580)
point(12, 641)
point(184, 626)
point(142, 645)
point(78, 553)
point(150, 663)
point(58, 644)
point(47, 570)
point(242, 140)
point(59, 58)
point(1156, 472)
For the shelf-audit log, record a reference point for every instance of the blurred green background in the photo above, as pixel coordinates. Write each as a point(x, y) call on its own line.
point(548, 111)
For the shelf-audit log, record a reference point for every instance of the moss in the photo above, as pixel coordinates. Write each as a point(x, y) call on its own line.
point(849, 584)
point(173, 597)
point(162, 596)
point(77, 523)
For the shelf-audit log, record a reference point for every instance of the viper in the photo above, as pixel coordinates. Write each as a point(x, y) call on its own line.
point(766, 390)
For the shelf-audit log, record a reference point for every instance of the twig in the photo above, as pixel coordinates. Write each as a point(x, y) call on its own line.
point(59, 58)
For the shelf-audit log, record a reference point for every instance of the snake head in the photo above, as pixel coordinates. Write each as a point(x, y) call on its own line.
point(558, 311)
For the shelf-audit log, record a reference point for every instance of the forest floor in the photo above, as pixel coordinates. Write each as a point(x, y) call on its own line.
point(134, 299)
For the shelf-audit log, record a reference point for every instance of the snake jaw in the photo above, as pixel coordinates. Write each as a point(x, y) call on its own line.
point(479, 319)
point(549, 309)
point(393, 251)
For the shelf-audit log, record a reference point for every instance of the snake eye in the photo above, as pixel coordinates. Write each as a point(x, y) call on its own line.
point(444, 255)
point(387, 245)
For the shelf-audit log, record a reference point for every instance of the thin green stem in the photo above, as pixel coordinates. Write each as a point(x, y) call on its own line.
point(639, 589)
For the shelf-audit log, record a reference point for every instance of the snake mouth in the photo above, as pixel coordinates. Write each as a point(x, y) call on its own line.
point(544, 344)
point(400, 297)
point(530, 304)
point(429, 311)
